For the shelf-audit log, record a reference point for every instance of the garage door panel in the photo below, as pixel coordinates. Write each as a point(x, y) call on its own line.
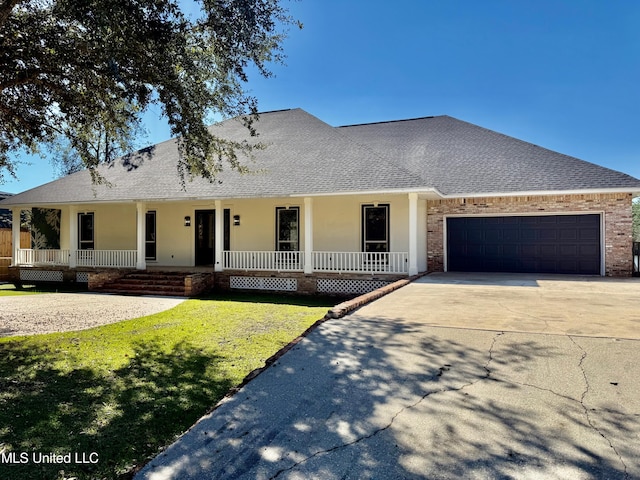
point(586, 266)
point(547, 235)
point(589, 234)
point(512, 235)
point(547, 251)
point(492, 235)
point(569, 250)
point(568, 234)
point(493, 250)
point(535, 244)
point(587, 250)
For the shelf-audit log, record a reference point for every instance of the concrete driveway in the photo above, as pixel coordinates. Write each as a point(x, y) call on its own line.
point(472, 376)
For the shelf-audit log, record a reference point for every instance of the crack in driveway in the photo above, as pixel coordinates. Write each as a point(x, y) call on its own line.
point(586, 410)
point(535, 317)
point(435, 377)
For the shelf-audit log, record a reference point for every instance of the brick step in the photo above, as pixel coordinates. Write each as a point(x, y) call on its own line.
point(149, 276)
point(144, 286)
point(150, 281)
point(144, 292)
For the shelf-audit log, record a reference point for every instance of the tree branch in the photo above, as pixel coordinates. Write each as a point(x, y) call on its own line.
point(6, 6)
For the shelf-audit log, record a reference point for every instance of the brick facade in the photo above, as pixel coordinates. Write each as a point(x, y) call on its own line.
point(615, 207)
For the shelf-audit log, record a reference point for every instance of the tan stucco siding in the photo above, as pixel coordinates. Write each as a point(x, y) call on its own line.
point(257, 229)
point(338, 222)
point(337, 225)
point(115, 226)
point(174, 241)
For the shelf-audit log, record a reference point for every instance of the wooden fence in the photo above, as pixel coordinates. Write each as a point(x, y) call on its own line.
point(5, 250)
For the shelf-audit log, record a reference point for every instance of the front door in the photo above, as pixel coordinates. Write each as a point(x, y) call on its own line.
point(205, 236)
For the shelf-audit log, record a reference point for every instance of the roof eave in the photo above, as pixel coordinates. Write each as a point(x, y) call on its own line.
point(427, 192)
point(526, 193)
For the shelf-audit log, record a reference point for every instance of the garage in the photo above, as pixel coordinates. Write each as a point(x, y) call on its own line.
point(567, 244)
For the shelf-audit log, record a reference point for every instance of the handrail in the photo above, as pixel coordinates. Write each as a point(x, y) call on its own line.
point(288, 261)
point(361, 262)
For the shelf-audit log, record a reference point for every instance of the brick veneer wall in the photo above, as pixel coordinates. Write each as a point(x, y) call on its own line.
point(617, 221)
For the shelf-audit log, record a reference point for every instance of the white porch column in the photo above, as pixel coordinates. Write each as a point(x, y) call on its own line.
point(218, 264)
point(413, 234)
point(141, 263)
point(15, 234)
point(73, 236)
point(308, 235)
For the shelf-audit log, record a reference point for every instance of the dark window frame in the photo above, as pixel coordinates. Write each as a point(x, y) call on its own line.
point(363, 221)
point(86, 244)
point(277, 239)
point(148, 242)
point(226, 230)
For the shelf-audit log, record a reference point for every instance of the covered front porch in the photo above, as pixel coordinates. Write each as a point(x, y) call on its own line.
point(381, 235)
point(334, 262)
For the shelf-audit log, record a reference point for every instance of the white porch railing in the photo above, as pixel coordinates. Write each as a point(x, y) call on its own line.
point(263, 260)
point(107, 258)
point(84, 258)
point(338, 262)
point(27, 256)
point(361, 262)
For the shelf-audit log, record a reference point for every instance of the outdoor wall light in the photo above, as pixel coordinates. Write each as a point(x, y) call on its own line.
point(236, 220)
point(187, 221)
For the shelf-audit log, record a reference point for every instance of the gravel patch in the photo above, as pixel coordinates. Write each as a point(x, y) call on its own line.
point(64, 312)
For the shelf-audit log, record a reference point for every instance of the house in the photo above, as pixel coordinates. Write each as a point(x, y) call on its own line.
point(6, 239)
point(338, 209)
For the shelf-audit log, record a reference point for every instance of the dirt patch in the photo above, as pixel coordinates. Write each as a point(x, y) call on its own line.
point(64, 312)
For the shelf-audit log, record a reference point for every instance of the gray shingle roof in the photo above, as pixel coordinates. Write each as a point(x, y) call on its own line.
point(307, 156)
point(459, 158)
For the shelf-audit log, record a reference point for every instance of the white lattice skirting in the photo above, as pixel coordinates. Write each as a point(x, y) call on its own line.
point(343, 285)
point(82, 277)
point(264, 283)
point(40, 276)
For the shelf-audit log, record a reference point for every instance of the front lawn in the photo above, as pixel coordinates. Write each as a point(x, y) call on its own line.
point(8, 289)
point(123, 391)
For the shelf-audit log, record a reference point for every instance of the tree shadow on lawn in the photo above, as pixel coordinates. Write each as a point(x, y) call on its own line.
point(371, 398)
point(277, 299)
point(124, 416)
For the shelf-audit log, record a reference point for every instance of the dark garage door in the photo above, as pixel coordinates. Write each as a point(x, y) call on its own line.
point(528, 244)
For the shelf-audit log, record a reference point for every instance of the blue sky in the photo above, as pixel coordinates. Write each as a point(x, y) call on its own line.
point(562, 74)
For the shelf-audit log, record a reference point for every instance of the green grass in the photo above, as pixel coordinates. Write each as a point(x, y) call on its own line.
point(8, 289)
point(126, 390)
